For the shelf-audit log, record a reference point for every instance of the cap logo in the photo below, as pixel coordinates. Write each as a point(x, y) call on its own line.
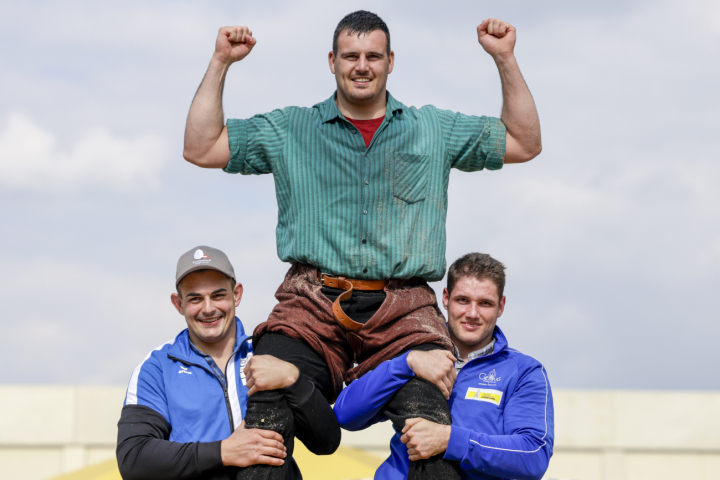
point(201, 258)
point(199, 254)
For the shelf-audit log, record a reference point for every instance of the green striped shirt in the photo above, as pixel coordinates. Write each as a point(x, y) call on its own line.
point(368, 213)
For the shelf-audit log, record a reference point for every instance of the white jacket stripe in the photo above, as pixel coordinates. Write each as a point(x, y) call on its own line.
point(233, 393)
point(547, 391)
point(131, 396)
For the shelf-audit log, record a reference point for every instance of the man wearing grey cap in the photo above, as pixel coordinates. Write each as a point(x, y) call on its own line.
point(183, 415)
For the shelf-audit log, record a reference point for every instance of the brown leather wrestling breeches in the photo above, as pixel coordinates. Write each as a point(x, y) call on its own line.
point(409, 316)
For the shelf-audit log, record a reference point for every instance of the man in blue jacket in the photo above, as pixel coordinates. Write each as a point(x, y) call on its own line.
point(184, 411)
point(500, 399)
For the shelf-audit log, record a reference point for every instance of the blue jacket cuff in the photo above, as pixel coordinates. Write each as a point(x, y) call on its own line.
point(399, 367)
point(458, 443)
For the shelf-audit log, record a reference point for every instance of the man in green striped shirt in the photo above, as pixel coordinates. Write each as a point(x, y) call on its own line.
point(361, 182)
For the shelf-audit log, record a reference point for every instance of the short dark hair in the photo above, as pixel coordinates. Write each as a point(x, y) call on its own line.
point(477, 265)
point(360, 22)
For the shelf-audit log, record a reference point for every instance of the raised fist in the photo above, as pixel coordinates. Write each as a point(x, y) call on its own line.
point(234, 43)
point(496, 37)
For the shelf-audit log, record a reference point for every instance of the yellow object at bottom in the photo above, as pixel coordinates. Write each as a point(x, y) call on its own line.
point(345, 464)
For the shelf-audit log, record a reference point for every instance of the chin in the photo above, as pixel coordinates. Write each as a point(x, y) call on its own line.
point(468, 340)
point(360, 96)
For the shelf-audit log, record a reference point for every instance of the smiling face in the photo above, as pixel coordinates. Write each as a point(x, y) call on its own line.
point(473, 308)
point(361, 66)
point(207, 300)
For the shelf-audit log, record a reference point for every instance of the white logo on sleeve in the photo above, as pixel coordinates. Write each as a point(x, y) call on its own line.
point(243, 362)
point(184, 370)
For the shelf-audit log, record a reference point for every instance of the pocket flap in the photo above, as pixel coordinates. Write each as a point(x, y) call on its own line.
point(409, 176)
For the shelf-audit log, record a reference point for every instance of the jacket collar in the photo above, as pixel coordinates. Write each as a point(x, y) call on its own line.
point(181, 349)
point(501, 344)
point(329, 110)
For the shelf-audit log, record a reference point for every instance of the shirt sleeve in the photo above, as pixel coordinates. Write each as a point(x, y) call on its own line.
point(147, 387)
point(361, 403)
point(525, 450)
point(256, 143)
point(144, 451)
point(472, 142)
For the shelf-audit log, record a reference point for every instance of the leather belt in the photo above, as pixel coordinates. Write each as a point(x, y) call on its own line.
point(348, 284)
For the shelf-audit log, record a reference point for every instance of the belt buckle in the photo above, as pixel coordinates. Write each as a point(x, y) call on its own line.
point(341, 281)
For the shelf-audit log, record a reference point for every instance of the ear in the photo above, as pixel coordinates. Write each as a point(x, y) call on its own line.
point(392, 61)
point(237, 293)
point(331, 61)
point(177, 303)
point(446, 298)
point(501, 307)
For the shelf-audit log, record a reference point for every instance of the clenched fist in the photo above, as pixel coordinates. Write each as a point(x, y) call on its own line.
point(496, 37)
point(233, 44)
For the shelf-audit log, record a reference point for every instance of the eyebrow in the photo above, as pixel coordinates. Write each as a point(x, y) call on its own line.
point(460, 296)
point(193, 294)
point(342, 54)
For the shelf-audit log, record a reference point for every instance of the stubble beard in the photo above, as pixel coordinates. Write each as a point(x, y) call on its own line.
point(359, 98)
point(467, 340)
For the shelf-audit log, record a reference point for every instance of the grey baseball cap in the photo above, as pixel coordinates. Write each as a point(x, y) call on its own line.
point(203, 258)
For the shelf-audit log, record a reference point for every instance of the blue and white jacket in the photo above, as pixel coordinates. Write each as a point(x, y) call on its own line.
point(502, 414)
point(178, 384)
point(177, 412)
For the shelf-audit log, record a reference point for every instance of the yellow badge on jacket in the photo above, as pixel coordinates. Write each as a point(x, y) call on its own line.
point(484, 395)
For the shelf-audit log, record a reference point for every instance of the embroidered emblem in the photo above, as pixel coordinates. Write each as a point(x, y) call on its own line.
point(184, 370)
point(490, 377)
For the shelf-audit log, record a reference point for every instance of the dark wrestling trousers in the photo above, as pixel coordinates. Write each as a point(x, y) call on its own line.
point(270, 410)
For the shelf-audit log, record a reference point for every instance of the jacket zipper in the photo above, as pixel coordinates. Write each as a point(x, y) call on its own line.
point(229, 409)
point(227, 398)
point(225, 391)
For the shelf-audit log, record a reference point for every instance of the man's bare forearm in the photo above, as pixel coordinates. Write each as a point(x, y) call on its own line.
point(206, 140)
point(519, 113)
point(205, 122)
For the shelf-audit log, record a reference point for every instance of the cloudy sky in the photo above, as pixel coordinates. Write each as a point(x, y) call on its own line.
point(611, 236)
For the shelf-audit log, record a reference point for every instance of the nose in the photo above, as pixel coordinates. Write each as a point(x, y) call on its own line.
point(207, 306)
point(362, 64)
point(473, 311)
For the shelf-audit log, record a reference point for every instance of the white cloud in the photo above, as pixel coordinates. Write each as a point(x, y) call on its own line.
point(30, 157)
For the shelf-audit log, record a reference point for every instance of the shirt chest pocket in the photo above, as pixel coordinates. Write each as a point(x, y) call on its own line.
point(409, 175)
